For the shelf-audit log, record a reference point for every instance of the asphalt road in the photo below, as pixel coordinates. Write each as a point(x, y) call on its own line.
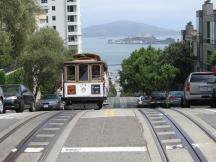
point(117, 133)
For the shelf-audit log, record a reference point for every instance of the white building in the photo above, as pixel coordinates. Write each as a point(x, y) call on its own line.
point(64, 16)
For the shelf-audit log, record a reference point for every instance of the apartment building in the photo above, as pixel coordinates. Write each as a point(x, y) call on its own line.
point(206, 35)
point(63, 16)
point(189, 34)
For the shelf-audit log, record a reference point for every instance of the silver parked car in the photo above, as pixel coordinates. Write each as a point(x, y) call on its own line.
point(50, 102)
point(198, 89)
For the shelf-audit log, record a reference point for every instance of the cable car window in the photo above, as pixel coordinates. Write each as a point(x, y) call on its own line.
point(71, 73)
point(96, 72)
point(83, 72)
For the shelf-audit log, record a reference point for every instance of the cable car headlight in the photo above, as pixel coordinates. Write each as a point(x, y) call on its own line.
point(95, 89)
point(71, 89)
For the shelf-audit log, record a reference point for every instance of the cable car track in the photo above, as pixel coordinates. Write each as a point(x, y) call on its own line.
point(162, 124)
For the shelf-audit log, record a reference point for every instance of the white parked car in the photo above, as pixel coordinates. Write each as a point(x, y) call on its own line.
point(198, 89)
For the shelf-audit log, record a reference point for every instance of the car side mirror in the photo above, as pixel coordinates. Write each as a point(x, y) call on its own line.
point(24, 91)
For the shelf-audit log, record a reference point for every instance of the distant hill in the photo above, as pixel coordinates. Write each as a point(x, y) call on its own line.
point(125, 28)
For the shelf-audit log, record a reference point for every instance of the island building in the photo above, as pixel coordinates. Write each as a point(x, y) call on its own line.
point(63, 16)
point(206, 35)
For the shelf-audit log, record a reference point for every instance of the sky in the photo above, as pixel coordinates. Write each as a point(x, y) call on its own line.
point(170, 14)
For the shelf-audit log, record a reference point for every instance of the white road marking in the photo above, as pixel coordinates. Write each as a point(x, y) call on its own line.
point(56, 123)
point(51, 129)
point(174, 147)
point(211, 110)
point(45, 135)
point(14, 116)
point(103, 149)
point(14, 150)
point(195, 145)
point(60, 119)
point(7, 116)
point(38, 143)
point(34, 150)
point(162, 126)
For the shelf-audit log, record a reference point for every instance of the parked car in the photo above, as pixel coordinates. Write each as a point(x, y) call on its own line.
point(143, 101)
point(175, 98)
point(198, 89)
point(158, 99)
point(1, 101)
point(50, 102)
point(18, 97)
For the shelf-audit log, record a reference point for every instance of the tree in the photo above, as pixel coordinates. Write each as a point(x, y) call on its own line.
point(5, 49)
point(166, 76)
point(2, 77)
point(43, 60)
point(212, 58)
point(179, 55)
point(139, 71)
point(18, 19)
point(70, 52)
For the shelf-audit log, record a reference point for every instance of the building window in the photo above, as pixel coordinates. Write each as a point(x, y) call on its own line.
point(43, 1)
point(53, 8)
point(43, 21)
point(71, 18)
point(71, 28)
point(71, 8)
point(54, 27)
point(71, 38)
point(53, 18)
point(208, 28)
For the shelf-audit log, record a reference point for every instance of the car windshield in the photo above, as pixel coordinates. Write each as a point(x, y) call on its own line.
point(202, 78)
point(176, 93)
point(50, 97)
point(10, 90)
point(158, 94)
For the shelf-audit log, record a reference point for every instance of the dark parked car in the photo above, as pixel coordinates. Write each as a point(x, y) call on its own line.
point(143, 101)
point(18, 97)
point(158, 99)
point(50, 102)
point(1, 100)
point(175, 98)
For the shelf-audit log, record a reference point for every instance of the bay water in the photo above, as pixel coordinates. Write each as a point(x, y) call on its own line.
point(114, 54)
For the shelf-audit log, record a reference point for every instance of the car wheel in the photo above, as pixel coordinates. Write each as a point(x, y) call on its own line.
point(100, 105)
point(21, 107)
point(186, 103)
point(1, 106)
point(32, 108)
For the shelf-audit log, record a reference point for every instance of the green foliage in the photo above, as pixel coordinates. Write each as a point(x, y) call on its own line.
point(5, 43)
point(179, 55)
point(112, 90)
point(167, 74)
point(6, 61)
point(212, 58)
point(2, 77)
point(43, 60)
point(70, 52)
point(17, 77)
point(18, 19)
point(143, 72)
point(139, 71)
